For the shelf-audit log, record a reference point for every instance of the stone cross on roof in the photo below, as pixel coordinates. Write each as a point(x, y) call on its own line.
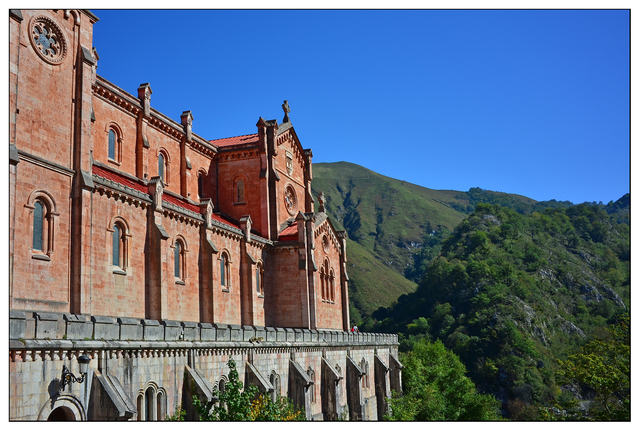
point(285, 108)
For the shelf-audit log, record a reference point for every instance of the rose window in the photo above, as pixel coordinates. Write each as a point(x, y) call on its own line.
point(290, 200)
point(47, 40)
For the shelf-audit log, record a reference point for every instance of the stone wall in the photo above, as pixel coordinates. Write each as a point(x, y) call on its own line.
point(144, 369)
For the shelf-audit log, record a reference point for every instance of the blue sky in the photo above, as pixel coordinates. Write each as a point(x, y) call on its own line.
point(529, 102)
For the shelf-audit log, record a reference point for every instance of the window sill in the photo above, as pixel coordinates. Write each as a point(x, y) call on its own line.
point(260, 296)
point(239, 203)
point(119, 271)
point(41, 257)
point(180, 282)
point(226, 290)
point(115, 162)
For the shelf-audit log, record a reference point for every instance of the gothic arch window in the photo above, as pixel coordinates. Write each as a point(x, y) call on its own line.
point(43, 213)
point(179, 260)
point(225, 271)
point(151, 403)
point(120, 235)
point(164, 163)
point(260, 279)
point(114, 143)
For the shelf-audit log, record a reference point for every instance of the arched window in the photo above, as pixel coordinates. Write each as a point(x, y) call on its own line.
point(201, 185)
point(151, 403)
point(225, 272)
point(148, 405)
point(119, 245)
point(179, 260)
point(141, 410)
point(112, 144)
point(326, 281)
point(38, 226)
point(43, 212)
point(161, 167)
point(161, 409)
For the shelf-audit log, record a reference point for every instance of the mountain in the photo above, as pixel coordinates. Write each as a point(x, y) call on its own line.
point(394, 227)
point(512, 293)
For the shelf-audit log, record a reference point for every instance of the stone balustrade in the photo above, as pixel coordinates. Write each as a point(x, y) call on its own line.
point(55, 326)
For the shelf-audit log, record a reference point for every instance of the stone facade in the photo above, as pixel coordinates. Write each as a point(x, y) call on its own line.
point(160, 254)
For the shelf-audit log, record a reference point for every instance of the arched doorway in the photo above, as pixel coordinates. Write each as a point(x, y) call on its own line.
point(63, 408)
point(61, 414)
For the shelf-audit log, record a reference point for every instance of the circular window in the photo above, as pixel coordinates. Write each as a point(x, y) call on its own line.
point(47, 39)
point(290, 200)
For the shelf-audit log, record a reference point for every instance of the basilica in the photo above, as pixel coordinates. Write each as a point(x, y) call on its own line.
point(143, 256)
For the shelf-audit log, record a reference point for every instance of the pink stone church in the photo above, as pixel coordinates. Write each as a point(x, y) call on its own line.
point(157, 255)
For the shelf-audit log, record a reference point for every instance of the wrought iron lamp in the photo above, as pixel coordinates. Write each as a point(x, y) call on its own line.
point(68, 377)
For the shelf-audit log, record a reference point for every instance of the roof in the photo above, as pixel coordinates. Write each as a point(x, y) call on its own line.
point(236, 140)
point(289, 234)
point(120, 179)
point(166, 197)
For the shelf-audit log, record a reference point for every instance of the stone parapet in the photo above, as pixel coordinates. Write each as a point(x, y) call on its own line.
point(52, 327)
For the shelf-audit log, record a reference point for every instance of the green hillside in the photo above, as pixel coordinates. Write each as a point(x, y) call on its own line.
point(372, 284)
point(511, 294)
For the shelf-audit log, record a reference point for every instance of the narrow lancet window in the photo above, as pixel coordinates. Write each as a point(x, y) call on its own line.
point(112, 144)
point(116, 245)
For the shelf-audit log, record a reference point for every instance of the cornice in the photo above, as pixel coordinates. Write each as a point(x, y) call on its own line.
point(45, 163)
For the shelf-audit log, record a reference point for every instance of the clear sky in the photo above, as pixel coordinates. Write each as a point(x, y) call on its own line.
point(531, 102)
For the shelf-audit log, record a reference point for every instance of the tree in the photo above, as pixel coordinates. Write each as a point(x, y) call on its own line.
point(236, 403)
point(605, 367)
point(436, 388)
